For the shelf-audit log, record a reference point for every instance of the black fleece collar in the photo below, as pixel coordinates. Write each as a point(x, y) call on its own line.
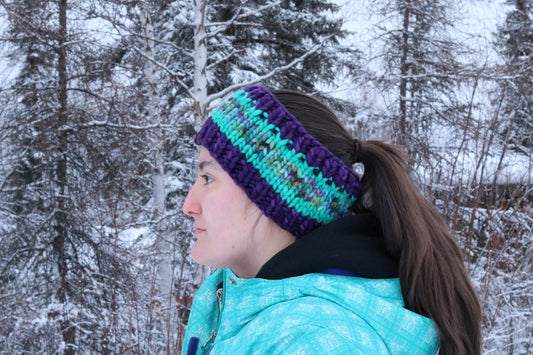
point(353, 243)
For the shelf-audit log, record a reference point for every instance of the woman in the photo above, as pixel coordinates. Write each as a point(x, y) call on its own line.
point(311, 259)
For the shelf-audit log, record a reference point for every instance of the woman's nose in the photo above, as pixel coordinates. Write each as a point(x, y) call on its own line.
point(191, 206)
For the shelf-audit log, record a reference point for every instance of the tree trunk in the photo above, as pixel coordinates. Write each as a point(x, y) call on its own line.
point(404, 67)
point(153, 113)
point(163, 248)
point(200, 63)
point(67, 329)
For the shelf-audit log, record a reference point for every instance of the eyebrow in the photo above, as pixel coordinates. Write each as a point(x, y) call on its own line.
point(206, 163)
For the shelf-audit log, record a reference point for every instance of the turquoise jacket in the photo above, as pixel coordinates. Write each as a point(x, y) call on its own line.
point(309, 314)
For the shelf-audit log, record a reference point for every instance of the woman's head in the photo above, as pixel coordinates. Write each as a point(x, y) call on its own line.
point(288, 174)
point(264, 179)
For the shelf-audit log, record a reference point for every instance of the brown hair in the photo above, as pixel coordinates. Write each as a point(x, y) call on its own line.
point(433, 278)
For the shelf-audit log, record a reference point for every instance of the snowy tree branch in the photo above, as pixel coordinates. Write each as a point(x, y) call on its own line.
point(173, 74)
point(167, 43)
point(233, 21)
point(106, 123)
point(268, 75)
point(212, 65)
point(247, 14)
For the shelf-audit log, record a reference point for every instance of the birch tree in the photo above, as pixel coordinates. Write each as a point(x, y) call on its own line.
point(291, 44)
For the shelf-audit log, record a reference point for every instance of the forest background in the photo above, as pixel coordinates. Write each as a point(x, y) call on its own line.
point(100, 102)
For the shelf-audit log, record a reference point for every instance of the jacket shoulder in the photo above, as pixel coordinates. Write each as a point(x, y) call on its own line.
point(309, 325)
point(303, 339)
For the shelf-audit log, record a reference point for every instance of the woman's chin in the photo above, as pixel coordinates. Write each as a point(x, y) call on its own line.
point(198, 254)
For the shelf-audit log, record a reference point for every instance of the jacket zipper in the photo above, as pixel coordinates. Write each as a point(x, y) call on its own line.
point(209, 342)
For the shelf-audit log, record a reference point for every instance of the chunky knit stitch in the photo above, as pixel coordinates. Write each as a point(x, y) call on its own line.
point(284, 170)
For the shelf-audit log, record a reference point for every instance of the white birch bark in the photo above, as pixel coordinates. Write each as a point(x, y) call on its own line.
point(200, 63)
point(163, 248)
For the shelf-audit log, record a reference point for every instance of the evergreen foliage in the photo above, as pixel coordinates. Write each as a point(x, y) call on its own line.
point(516, 42)
point(97, 125)
point(257, 40)
point(98, 116)
point(421, 70)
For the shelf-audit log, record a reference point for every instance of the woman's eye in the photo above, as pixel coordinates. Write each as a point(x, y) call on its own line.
point(207, 179)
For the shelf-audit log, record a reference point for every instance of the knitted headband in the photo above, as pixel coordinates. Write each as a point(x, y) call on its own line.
point(284, 170)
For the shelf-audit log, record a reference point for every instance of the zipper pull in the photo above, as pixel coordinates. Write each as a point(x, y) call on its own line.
point(210, 340)
point(220, 293)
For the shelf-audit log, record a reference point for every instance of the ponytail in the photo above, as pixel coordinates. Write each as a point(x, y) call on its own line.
point(433, 278)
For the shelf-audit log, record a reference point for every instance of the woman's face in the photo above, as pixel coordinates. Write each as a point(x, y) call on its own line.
point(226, 221)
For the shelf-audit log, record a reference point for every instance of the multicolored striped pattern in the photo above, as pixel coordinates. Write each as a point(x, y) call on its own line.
point(284, 170)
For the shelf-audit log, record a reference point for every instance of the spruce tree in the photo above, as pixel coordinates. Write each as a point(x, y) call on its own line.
point(515, 39)
point(99, 113)
point(61, 261)
point(263, 35)
point(420, 65)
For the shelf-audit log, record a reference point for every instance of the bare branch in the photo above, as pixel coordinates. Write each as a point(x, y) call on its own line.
point(268, 75)
point(173, 74)
point(106, 123)
point(244, 15)
point(210, 66)
point(170, 44)
point(237, 17)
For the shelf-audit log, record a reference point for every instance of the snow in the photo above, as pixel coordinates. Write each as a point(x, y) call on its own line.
point(132, 236)
point(8, 69)
point(137, 233)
